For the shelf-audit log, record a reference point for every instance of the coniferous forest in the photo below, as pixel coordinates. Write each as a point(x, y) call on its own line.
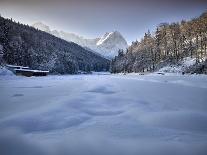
point(169, 44)
point(27, 46)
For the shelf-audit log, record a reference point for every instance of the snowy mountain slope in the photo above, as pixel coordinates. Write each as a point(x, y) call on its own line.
point(26, 46)
point(110, 43)
point(107, 45)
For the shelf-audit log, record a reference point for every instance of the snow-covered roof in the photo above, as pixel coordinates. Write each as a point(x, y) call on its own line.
point(30, 70)
point(14, 66)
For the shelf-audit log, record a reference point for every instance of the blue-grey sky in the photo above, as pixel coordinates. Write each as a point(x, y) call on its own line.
point(92, 18)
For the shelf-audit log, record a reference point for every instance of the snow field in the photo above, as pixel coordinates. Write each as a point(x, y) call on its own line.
point(104, 114)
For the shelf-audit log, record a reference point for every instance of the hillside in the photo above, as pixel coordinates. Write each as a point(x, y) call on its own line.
point(169, 45)
point(27, 46)
point(107, 45)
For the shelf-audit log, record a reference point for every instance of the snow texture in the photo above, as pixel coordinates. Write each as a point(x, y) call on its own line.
point(179, 68)
point(103, 114)
point(5, 72)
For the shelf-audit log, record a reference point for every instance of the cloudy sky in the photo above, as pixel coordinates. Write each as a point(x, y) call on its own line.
point(92, 18)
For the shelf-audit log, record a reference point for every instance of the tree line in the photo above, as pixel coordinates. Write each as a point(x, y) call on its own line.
point(169, 44)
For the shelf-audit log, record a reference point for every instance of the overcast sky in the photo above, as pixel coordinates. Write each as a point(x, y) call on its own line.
point(92, 18)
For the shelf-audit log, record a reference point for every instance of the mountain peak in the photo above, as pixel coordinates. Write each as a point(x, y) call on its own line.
point(110, 43)
point(107, 45)
point(112, 36)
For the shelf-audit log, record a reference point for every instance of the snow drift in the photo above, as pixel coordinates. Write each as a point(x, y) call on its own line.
point(103, 114)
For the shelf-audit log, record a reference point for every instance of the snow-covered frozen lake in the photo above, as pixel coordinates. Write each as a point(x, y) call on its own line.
point(103, 115)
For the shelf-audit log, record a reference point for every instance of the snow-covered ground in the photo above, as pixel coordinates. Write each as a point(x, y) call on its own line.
point(103, 115)
point(187, 62)
point(5, 72)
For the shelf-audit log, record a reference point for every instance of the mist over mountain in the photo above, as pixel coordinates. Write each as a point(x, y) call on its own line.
point(107, 45)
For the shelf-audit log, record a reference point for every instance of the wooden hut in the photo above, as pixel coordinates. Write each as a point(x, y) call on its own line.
point(25, 71)
point(13, 67)
point(28, 72)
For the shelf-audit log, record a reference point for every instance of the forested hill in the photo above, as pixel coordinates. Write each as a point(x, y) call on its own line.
point(27, 46)
point(168, 45)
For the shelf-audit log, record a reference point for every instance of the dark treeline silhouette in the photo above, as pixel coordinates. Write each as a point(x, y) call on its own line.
point(169, 44)
point(27, 46)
